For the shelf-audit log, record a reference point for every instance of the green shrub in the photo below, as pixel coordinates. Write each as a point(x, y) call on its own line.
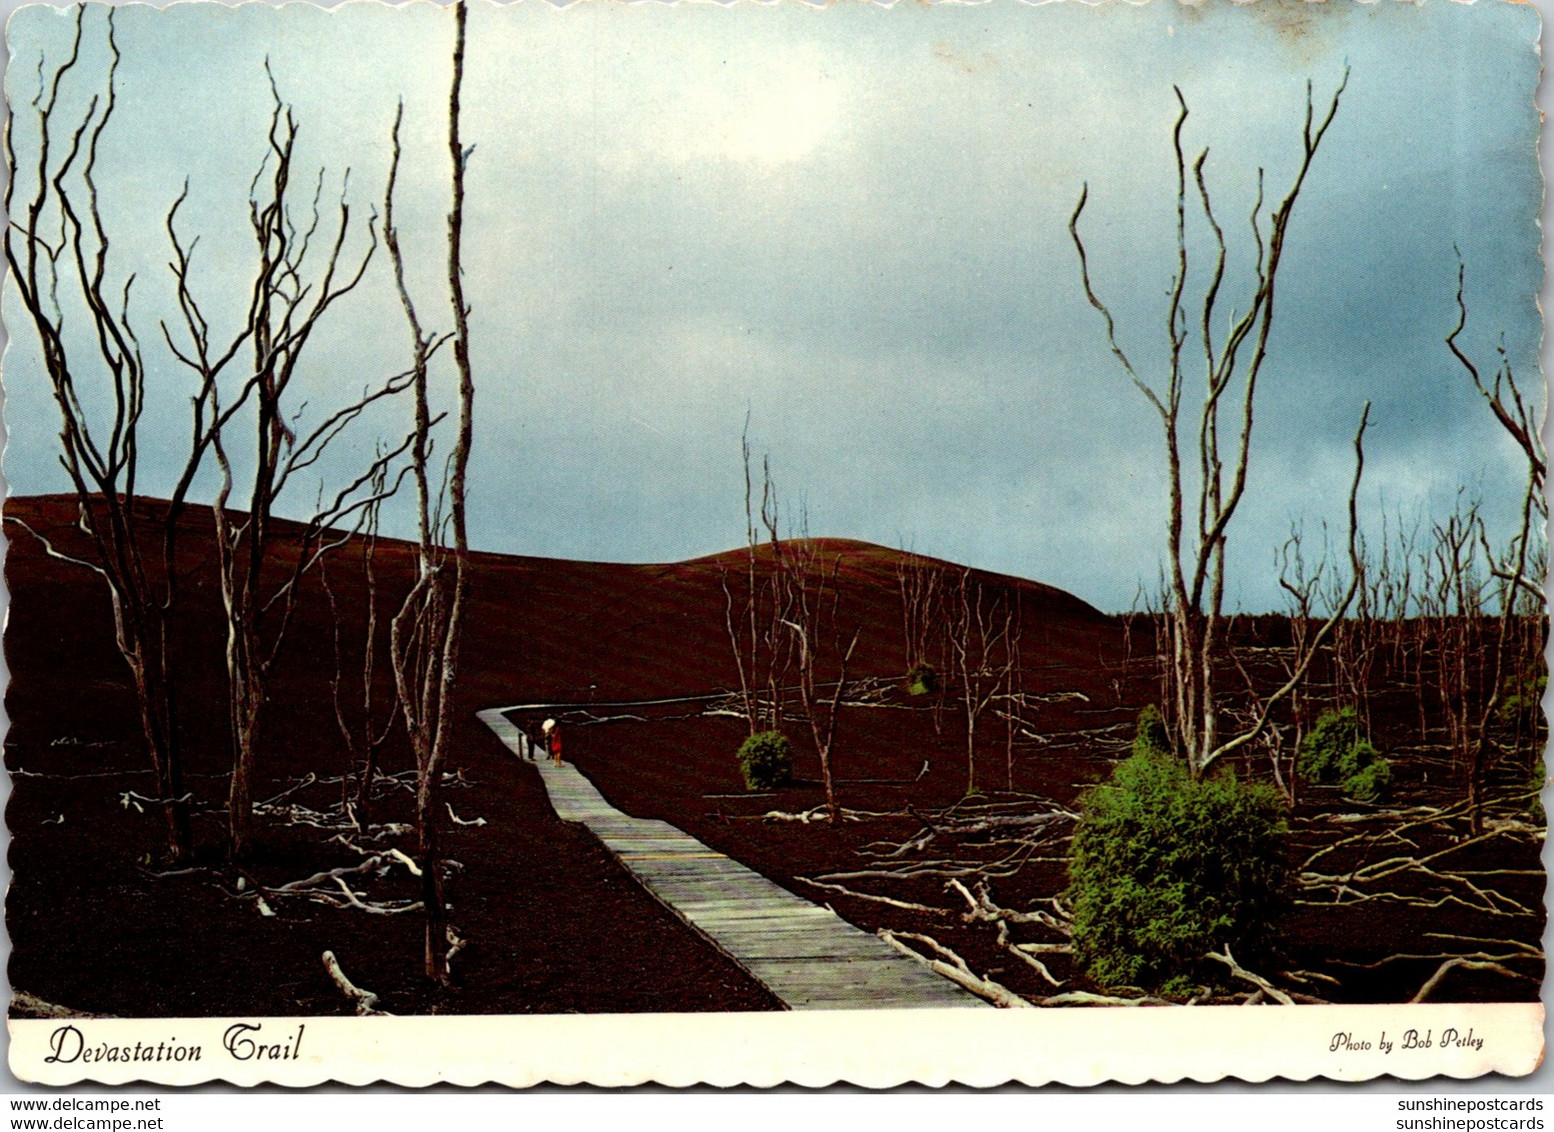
point(766, 759)
point(1372, 782)
point(1335, 751)
point(1151, 737)
point(1165, 869)
point(922, 679)
point(1328, 744)
point(1359, 756)
point(1521, 700)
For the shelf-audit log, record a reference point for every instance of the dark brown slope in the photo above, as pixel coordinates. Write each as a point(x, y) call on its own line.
point(554, 923)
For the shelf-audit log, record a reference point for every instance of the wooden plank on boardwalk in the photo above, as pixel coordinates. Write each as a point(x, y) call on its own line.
point(808, 956)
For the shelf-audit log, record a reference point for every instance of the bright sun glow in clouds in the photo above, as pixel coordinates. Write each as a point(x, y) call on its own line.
point(784, 121)
point(772, 112)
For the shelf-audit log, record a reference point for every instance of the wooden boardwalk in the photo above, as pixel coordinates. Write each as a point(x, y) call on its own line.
point(808, 956)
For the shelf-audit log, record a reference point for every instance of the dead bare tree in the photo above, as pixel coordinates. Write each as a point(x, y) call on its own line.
point(1455, 617)
point(984, 651)
point(815, 603)
point(1302, 584)
point(365, 722)
point(746, 654)
point(1520, 567)
point(1356, 639)
point(921, 585)
point(1395, 585)
point(1014, 692)
point(56, 238)
point(755, 620)
point(261, 570)
point(1197, 566)
point(282, 312)
point(426, 632)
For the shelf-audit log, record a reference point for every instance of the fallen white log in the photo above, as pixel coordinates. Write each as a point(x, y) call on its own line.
point(375, 909)
point(1240, 972)
point(817, 814)
point(404, 859)
point(128, 798)
point(956, 970)
point(1029, 960)
point(366, 1001)
point(984, 910)
point(1466, 964)
point(460, 821)
point(366, 866)
point(305, 782)
point(1087, 998)
point(905, 905)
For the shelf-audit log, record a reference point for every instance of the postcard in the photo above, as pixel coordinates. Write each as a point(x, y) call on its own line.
point(759, 543)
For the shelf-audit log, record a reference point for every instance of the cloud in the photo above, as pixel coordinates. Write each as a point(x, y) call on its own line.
point(851, 223)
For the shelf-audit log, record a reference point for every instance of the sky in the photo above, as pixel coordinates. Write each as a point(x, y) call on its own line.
point(849, 226)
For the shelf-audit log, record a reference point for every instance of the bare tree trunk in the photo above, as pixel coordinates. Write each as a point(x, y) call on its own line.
point(920, 583)
point(426, 633)
point(1505, 401)
point(817, 599)
point(983, 649)
point(742, 619)
point(1196, 564)
point(56, 239)
point(259, 589)
point(364, 724)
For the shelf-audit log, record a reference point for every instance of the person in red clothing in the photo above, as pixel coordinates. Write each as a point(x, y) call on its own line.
point(553, 739)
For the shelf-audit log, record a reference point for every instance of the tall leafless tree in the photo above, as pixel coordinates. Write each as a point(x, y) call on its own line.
point(984, 650)
point(921, 585)
point(1357, 639)
point(761, 642)
point(757, 614)
point(1520, 567)
point(55, 241)
point(301, 272)
point(1196, 563)
point(426, 632)
point(1301, 582)
point(364, 720)
point(745, 641)
point(1454, 615)
point(815, 602)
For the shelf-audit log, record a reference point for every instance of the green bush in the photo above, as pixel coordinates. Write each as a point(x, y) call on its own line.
point(766, 759)
point(1335, 751)
point(1151, 737)
point(1328, 744)
point(922, 679)
point(1357, 758)
point(1372, 782)
point(1165, 869)
point(1521, 700)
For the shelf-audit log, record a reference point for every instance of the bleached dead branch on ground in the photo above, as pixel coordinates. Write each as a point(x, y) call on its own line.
point(1239, 972)
point(905, 905)
point(1466, 964)
point(366, 1002)
point(954, 968)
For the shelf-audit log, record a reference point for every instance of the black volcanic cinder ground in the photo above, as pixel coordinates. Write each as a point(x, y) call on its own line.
point(554, 924)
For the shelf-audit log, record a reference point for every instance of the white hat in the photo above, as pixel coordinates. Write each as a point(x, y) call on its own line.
point(548, 726)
